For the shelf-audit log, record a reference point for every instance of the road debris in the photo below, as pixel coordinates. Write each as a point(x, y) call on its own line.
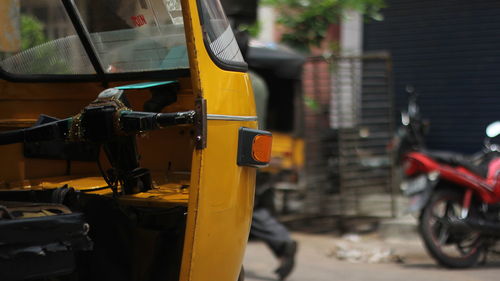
point(353, 248)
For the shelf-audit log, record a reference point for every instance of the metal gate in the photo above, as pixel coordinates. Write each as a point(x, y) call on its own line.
point(349, 122)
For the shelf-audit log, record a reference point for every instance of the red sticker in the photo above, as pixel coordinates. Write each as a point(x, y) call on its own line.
point(139, 20)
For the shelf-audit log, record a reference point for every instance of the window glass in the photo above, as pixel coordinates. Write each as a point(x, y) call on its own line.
point(136, 35)
point(37, 37)
point(218, 33)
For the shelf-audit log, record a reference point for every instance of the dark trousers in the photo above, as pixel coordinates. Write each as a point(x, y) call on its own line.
point(268, 229)
point(265, 226)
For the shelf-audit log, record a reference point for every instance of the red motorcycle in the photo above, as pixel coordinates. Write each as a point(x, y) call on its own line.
point(456, 197)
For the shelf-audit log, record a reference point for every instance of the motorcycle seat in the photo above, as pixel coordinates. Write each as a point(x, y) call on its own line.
point(456, 159)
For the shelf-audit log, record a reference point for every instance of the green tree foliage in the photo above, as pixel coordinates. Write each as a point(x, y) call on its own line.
point(31, 32)
point(46, 59)
point(252, 29)
point(306, 22)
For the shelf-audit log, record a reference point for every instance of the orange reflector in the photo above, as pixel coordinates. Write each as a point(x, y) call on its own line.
point(261, 148)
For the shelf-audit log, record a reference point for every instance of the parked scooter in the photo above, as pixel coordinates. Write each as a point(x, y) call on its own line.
point(456, 197)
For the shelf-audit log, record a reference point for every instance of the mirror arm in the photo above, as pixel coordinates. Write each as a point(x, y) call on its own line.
point(487, 142)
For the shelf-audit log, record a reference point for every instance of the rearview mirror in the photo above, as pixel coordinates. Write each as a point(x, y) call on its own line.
point(493, 129)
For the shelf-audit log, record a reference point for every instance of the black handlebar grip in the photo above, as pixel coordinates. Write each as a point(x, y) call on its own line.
point(45, 132)
point(11, 137)
point(136, 121)
point(175, 118)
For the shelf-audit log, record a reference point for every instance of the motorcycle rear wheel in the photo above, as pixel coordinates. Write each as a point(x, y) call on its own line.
point(449, 248)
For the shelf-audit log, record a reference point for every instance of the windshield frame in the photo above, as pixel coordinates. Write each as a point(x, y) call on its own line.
point(100, 75)
point(108, 77)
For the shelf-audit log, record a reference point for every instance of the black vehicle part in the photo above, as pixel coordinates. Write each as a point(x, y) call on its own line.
point(161, 97)
point(136, 121)
point(132, 243)
point(124, 158)
point(40, 196)
point(98, 122)
point(40, 240)
point(276, 60)
point(246, 139)
point(449, 246)
point(241, 11)
point(59, 149)
point(491, 228)
point(56, 130)
point(101, 121)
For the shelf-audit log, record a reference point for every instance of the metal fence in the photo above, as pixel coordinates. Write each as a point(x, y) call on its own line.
point(349, 122)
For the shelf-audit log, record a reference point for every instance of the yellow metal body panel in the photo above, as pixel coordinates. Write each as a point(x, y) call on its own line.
point(287, 152)
point(221, 208)
point(298, 153)
point(163, 196)
point(221, 193)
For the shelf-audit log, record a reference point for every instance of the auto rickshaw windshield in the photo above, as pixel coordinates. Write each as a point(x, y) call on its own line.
point(45, 36)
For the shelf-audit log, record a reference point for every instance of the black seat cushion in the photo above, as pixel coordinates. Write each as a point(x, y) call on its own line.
point(456, 159)
point(39, 246)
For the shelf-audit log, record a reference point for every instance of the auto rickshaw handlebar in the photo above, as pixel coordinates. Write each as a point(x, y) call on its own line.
point(43, 132)
point(130, 122)
point(137, 121)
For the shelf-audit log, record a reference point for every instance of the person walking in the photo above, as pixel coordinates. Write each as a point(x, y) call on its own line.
point(264, 225)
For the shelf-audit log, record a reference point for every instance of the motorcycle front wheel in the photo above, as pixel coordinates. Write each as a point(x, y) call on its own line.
point(450, 248)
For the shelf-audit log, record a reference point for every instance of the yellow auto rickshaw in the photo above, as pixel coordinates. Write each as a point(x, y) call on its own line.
point(281, 70)
point(128, 141)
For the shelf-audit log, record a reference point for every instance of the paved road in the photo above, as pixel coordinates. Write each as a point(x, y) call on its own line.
point(317, 262)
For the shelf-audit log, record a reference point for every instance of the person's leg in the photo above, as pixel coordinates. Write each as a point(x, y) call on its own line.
point(269, 230)
point(277, 237)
